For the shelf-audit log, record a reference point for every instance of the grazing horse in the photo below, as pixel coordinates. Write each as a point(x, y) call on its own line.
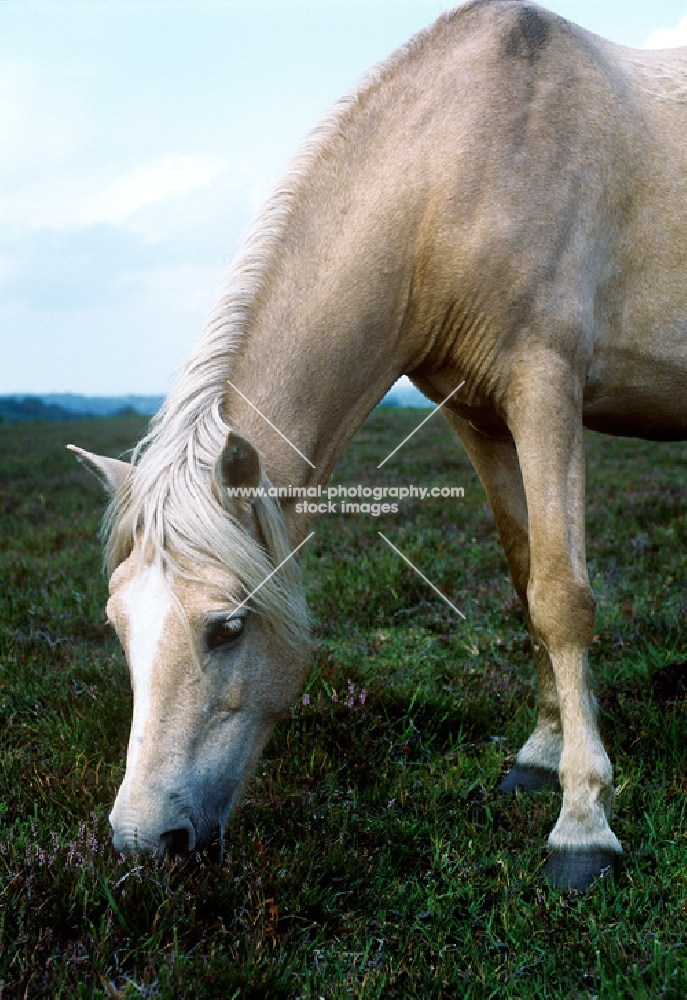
point(502, 203)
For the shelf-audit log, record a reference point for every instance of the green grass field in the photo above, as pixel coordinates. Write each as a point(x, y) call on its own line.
point(373, 856)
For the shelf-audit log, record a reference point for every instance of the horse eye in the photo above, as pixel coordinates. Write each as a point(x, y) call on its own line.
point(223, 632)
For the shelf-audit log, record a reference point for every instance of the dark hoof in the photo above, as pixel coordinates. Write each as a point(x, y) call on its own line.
point(529, 779)
point(579, 869)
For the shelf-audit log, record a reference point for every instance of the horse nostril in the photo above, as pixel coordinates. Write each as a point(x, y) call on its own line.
point(175, 842)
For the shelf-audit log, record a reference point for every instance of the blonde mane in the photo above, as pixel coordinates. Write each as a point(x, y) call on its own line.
point(169, 498)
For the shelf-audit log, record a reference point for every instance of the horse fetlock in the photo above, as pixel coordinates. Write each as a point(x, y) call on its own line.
point(543, 749)
point(606, 797)
point(536, 765)
point(583, 824)
point(587, 799)
point(589, 776)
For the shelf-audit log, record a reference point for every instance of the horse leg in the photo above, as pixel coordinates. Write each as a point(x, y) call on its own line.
point(496, 463)
point(544, 415)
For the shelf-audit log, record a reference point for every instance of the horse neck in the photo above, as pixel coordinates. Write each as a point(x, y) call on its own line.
point(321, 351)
point(328, 278)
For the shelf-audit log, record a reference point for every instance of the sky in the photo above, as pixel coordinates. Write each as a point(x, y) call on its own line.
point(138, 139)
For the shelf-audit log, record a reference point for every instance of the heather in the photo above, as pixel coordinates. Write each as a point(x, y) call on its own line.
point(372, 856)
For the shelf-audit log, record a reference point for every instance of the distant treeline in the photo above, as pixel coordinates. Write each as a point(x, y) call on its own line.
point(71, 407)
point(32, 408)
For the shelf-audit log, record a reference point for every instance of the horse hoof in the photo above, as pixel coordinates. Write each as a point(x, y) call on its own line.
point(578, 869)
point(529, 779)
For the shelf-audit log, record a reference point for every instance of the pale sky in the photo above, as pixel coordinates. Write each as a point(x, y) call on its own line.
point(138, 139)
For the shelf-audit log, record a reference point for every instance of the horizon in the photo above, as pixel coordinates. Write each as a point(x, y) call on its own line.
point(402, 390)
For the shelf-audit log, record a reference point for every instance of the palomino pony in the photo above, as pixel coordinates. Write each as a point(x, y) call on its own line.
point(503, 202)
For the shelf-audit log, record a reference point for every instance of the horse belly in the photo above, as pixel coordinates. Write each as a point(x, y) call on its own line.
point(633, 392)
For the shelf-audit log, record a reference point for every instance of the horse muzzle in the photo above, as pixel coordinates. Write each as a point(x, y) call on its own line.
point(177, 837)
point(155, 823)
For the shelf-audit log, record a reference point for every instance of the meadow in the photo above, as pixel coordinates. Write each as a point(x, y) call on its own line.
point(372, 856)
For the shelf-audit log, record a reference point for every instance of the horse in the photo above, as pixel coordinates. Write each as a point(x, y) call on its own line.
point(502, 203)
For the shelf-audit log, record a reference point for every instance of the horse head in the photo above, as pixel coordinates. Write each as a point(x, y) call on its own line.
point(210, 674)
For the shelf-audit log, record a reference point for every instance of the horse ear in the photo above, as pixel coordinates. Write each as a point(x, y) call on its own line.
point(109, 471)
point(238, 467)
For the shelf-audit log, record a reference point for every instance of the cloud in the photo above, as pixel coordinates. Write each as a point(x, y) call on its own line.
point(57, 170)
point(128, 331)
point(76, 202)
point(206, 221)
point(101, 265)
point(184, 288)
point(668, 38)
point(50, 269)
point(154, 182)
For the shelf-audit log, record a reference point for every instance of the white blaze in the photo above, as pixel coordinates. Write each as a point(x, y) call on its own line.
point(148, 602)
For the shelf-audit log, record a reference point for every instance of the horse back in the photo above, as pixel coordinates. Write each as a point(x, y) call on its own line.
point(542, 172)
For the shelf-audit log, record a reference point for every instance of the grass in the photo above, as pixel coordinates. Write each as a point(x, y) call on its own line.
point(372, 856)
